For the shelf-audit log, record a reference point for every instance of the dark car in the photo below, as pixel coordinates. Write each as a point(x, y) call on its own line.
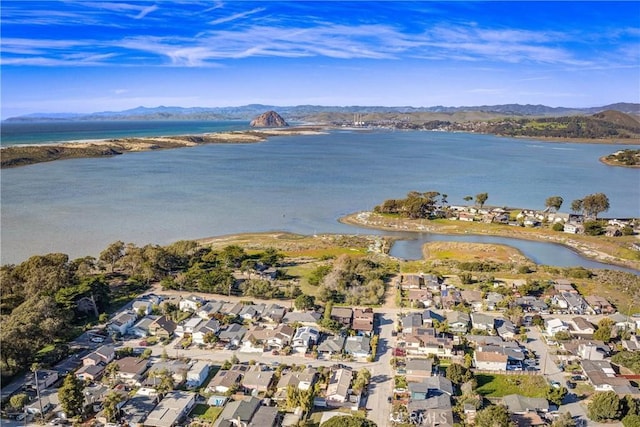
point(389, 399)
point(571, 385)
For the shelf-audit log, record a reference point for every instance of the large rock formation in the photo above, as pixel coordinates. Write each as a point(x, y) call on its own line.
point(270, 119)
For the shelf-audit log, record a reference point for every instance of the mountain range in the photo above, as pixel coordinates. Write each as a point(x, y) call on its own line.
point(323, 113)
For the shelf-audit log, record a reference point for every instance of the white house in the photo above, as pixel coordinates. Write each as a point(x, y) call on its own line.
point(197, 374)
point(122, 322)
point(305, 337)
point(191, 303)
point(212, 325)
point(188, 326)
point(553, 326)
point(142, 307)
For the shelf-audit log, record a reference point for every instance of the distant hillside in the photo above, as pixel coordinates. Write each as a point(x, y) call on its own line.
point(604, 125)
point(329, 114)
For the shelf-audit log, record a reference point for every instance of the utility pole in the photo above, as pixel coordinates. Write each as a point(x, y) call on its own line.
point(35, 371)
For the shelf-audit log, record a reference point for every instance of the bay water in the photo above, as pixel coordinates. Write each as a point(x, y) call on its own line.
point(301, 184)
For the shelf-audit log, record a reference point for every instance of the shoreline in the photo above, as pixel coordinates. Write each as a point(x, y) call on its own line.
point(29, 154)
point(576, 243)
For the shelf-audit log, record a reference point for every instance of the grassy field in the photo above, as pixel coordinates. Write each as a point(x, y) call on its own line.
point(497, 385)
point(206, 412)
point(462, 252)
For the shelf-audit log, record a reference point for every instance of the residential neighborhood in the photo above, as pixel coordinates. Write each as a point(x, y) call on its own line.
point(268, 364)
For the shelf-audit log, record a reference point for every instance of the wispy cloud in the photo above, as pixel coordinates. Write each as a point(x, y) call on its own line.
point(147, 10)
point(236, 16)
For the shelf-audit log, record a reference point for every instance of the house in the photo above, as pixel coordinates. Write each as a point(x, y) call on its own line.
point(418, 369)
point(211, 326)
point(553, 326)
point(141, 328)
point(506, 329)
point(47, 401)
point(430, 317)
point(532, 304)
point(274, 313)
point(430, 386)
point(411, 321)
point(137, 408)
point(231, 308)
point(342, 315)
point(257, 379)
point(265, 416)
point(473, 298)
point(304, 338)
point(623, 322)
point(94, 393)
point(103, 355)
point(593, 350)
point(490, 361)
point(162, 327)
point(305, 318)
point(458, 321)
point(514, 356)
point(492, 300)
point(239, 412)
point(172, 408)
point(208, 310)
point(581, 327)
point(177, 368)
point(261, 338)
point(450, 297)
point(602, 377)
point(358, 346)
point(225, 380)
point(302, 380)
point(422, 296)
point(197, 374)
point(363, 320)
point(332, 344)
point(233, 334)
point(599, 305)
point(482, 322)
point(122, 321)
point(191, 303)
point(130, 370)
point(424, 341)
point(251, 312)
point(572, 301)
point(188, 326)
point(518, 404)
point(411, 281)
point(573, 228)
point(563, 285)
point(338, 388)
point(142, 307)
point(45, 379)
point(433, 411)
point(90, 372)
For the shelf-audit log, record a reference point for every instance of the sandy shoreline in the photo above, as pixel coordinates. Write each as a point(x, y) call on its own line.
point(583, 245)
point(27, 154)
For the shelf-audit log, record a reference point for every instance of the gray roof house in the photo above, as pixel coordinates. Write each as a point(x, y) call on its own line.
point(332, 344)
point(358, 346)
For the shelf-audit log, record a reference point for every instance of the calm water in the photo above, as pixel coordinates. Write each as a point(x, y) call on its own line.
point(298, 184)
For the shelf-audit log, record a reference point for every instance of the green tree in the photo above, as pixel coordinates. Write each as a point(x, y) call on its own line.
point(631, 421)
point(467, 198)
point(593, 204)
point(348, 421)
point(555, 395)
point(554, 202)
point(603, 333)
point(304, 302)
point(481, 198)
point(17, 401)
point(112, 254)
point(110, 405)
point(493, 416)
point(604, 406)
point(71, 396)
point(564, 420)
point(458, 374)
point(577, 206)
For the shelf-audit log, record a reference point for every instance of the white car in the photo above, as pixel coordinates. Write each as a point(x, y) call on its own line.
point(97, 339)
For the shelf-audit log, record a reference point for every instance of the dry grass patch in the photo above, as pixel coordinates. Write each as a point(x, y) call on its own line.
point(465, 252)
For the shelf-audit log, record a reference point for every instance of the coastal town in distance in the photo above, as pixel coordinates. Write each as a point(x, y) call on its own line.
point(319, 213)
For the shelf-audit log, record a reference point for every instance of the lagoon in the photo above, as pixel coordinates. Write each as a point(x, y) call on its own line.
point(301, 184)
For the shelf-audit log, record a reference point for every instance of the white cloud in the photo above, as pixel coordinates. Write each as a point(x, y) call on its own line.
point(236, 16)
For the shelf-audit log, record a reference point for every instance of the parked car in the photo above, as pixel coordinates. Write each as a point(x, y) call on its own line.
point(571, 385)
point(97, 339)
point(389, 399)
point(555, 384)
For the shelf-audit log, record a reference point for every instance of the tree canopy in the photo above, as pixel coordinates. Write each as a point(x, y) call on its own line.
point(605, 406)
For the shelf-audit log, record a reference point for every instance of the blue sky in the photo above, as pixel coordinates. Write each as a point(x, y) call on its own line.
point(87, 56)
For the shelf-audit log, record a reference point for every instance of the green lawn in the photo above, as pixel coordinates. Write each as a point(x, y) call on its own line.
point(206, 412)
point(497, 385)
